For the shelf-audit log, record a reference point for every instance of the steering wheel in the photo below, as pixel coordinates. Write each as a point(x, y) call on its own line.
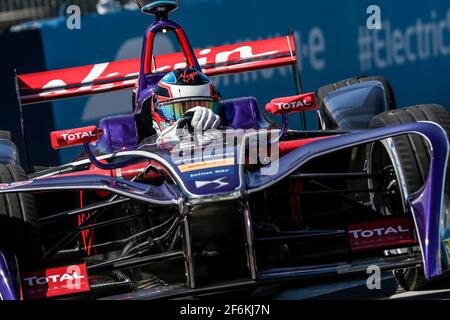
point(185, 121)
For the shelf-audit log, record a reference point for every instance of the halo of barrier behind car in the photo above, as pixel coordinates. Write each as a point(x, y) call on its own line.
point(127, 219)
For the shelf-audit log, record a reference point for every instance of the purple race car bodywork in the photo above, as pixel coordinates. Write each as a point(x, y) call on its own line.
point(223, 183)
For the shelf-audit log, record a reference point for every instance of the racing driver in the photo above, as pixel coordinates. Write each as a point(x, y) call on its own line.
point(184, 97)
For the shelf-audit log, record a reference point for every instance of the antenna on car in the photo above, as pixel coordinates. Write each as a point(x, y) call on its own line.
point(159, 8)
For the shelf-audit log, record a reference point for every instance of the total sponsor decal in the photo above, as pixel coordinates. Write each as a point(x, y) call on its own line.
point(55, 282)
point(72, 137)
point(303, 102)
point(291, 105)
point(380, 234)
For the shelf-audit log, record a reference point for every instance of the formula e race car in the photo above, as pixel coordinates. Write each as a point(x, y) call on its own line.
point(131, 218)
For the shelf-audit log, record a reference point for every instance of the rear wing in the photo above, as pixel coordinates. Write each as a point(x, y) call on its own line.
point(113, 76)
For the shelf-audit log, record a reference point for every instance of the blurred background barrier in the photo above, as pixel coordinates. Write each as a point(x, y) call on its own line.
point(13, 12)
point(412, 50)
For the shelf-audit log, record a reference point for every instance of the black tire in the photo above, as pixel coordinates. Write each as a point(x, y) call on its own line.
point(414, 152)
point(6, 135)
point(414, 155)
point(327, 89)
point(411, 279)
point(19, 226)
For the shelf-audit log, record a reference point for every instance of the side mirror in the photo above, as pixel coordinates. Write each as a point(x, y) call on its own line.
point(299, 103)
point(74, 137)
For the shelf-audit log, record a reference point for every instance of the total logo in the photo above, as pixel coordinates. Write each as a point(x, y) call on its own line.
point(298, 103)
point(390, 233)
point(72, 137)
point(293, 105)
point(357, 234)
point(55, 282)
point(78, 135)
point(39, 281)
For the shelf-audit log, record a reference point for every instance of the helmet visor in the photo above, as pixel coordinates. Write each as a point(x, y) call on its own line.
point(174, 109)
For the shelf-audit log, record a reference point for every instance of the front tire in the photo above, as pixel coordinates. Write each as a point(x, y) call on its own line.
point(414, 156)
point(19, 225)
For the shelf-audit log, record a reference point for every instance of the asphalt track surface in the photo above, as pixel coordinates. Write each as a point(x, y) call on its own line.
point(357, 290)
point(327, 289)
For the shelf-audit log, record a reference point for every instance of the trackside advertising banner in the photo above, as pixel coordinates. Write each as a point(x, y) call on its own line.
point(411, 48)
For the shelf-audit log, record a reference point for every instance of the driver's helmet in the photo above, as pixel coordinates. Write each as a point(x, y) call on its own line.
point(182, 90)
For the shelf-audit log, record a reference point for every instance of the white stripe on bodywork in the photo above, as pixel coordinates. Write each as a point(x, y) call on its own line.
point(94, 74)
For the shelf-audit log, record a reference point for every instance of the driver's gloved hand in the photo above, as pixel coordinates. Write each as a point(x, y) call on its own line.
point(204, 119)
